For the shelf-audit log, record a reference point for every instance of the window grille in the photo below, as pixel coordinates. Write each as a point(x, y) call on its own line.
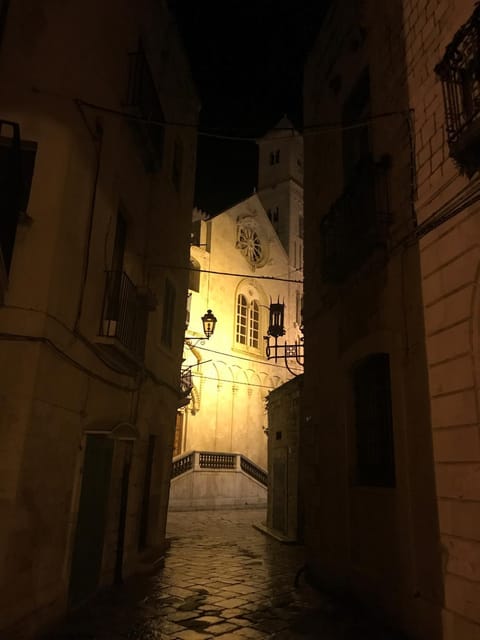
point(375, 460)
point(459, 72)
point(125, 313)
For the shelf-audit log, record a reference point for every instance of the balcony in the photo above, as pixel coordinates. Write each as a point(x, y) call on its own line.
point(357, 223)
point(143, 100)
point(459, 72)
point(123, 328)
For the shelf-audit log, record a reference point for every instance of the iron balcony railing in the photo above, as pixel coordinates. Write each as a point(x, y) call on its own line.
point(143, 98)
point(357, 223)
point(125, 313)
point(459, 71)
point(186, 381)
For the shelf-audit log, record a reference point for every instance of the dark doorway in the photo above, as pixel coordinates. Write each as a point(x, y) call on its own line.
point(122, 520)
point(92, 511)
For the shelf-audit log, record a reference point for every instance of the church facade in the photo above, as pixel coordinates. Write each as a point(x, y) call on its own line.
point(242, 260)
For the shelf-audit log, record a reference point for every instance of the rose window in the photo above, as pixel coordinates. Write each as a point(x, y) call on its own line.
point(250, 245)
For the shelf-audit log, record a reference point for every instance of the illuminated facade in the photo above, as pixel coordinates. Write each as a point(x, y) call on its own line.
point(95, 206)
point(238, 255)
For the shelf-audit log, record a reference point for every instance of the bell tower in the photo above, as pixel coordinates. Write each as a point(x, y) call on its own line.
point(280, 186)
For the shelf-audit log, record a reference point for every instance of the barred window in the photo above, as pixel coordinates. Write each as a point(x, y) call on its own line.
point(375, 459)
point(459, 73)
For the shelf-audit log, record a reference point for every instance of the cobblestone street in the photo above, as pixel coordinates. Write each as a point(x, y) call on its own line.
point(222, 579)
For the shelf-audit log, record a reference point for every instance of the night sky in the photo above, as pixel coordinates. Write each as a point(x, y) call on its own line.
point(247, 60)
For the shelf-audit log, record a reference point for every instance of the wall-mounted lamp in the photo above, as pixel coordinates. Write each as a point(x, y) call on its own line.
point(209, 322)
point(276, 329)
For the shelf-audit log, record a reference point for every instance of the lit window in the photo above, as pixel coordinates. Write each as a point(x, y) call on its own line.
point(247, 330)
point(254, 325)
point(241, 333)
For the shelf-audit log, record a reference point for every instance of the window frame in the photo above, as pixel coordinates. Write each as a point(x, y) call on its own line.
point(248, 321)
point(22, 164)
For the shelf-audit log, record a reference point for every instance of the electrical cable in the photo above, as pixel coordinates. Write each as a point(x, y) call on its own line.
point(313, 129)
point(221, 353)
point(234, 382)
point(225, 273)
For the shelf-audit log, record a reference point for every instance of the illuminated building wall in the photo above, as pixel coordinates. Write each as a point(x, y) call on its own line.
point(227, 411)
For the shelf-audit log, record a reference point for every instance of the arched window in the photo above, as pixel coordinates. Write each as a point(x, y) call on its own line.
point(247, 326)
point(194, 275)
point(254, 324)
point(241, 324)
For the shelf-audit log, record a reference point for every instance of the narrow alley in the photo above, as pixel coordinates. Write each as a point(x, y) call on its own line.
point(222, 578)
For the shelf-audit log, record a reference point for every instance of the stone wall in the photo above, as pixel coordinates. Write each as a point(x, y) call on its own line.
point(58, 390)
point(379, 542)
point(450, 261)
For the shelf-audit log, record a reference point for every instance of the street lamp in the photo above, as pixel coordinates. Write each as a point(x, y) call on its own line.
point(276, 330)
point(209, 322)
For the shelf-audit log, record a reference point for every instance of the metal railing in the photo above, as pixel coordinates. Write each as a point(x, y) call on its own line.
point(357, 223)
point(218, 461)
point(459, 72)
point(125, 313)
point(186, 381)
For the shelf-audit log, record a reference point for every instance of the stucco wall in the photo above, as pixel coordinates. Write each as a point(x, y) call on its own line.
point(56, 384)
point(450, 266)
point(379, 542)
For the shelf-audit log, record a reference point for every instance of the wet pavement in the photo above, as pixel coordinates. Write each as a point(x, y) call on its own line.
point(222, 579)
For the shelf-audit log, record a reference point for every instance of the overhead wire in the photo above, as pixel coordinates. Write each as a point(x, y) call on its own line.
point(218, 132)
point(225, 273)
